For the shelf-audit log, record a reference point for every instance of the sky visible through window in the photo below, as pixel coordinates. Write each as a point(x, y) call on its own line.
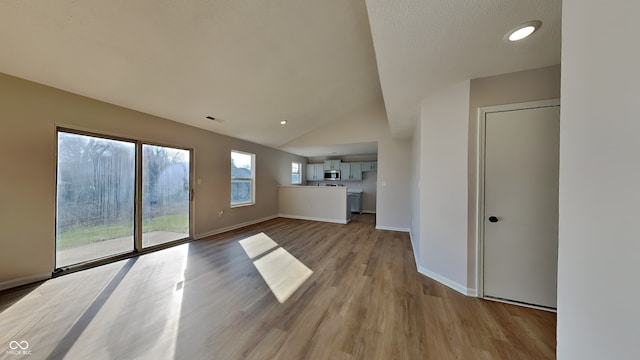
point(241, 160)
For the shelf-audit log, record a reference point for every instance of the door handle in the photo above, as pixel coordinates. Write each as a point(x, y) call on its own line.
point(493, 219)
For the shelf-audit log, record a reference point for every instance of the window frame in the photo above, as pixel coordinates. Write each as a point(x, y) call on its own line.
point(251, 179)
point(299, 182)
point(137, 223)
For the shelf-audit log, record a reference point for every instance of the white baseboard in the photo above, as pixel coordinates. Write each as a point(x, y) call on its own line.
point(413, 249)
point(393, 228)
point(522, 304)
point(335, 221)
point(472, 292)
point(437, 277)
point(24, 281)
point(234, 227)
point(446, 282)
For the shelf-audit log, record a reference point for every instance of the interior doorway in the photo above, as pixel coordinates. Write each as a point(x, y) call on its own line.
point(518, 203)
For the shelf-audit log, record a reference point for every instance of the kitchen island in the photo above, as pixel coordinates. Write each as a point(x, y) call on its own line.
point(319, 203)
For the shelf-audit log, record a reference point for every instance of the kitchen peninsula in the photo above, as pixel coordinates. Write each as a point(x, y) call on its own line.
point(319, 203)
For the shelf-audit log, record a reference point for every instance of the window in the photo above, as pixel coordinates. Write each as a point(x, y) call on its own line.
point(96, 206)
point(242, 176)
point(95, 198)
point(296, 173)
point(165, 194)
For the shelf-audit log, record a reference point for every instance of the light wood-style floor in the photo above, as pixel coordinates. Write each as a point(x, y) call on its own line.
point(206, 300)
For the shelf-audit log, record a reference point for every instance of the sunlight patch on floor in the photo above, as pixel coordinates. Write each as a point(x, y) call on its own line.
point(282, 272)
point(257, 244)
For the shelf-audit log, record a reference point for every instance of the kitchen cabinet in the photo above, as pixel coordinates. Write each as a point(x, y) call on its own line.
point(351, 171)
point(355, 202)
point(332, 165)
point(370, 166)
point(315, 172)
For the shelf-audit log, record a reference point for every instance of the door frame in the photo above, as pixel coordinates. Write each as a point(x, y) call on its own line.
point(137, 235)
point(480, 178)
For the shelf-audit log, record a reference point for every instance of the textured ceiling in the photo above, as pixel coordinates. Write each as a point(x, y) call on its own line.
point(253, 63)
point(249, 63)
point(422, 46)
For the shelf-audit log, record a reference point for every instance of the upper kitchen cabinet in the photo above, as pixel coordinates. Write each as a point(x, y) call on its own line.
point(370, 166)
point(332, 165)
point(315, 172)
point(351, 171)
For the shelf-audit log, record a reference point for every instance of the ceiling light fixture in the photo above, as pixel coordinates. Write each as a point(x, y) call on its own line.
point(283, 122)
point(523, 30)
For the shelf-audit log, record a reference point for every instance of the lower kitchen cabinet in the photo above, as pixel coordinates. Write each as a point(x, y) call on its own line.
point(355, 202)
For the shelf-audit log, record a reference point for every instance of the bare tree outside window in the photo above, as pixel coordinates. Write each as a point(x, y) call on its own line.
point(165, 194)
point(95, 198)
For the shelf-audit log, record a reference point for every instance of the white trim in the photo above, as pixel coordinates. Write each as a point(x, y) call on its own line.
point(234, 227)
point(480, 160)
point(24, 281)
point(413, 249)
point(235, 206)
point(445, 281)
point(298, 217)
point(521, 304)
point(252, 178)
point(393, 228)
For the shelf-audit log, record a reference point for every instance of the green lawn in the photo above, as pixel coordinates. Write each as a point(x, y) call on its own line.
point(74, 237)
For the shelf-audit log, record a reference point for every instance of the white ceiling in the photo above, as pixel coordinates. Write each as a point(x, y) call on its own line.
point(422, 46)
point(332, 150)
point(254, 63)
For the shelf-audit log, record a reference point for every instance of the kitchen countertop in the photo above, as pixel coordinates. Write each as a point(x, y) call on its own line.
point(349, 190)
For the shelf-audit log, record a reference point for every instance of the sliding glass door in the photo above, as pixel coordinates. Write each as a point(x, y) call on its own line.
point(165, 194)
point(96, 197)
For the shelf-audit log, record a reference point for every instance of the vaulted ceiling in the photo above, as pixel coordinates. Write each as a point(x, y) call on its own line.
point(251, 64)
point(422, 46)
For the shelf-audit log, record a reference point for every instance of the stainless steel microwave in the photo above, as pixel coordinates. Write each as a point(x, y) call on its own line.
point(332, 175)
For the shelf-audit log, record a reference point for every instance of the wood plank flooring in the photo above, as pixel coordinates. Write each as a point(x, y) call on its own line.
point(206, 300)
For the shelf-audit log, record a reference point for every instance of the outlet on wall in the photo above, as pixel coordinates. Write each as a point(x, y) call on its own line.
point(221, 213)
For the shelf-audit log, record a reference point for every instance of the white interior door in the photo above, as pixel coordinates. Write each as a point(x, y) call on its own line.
point(521, 205)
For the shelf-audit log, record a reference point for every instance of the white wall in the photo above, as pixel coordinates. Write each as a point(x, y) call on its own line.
point(319, 203)
point(443, 201)
point(415, 191)
point(522, 86)
point(599, 232)
point(439, 142)
point(365, 124)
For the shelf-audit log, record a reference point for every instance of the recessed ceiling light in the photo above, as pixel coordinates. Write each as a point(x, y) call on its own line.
point(523, 30)
point(283, 122)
